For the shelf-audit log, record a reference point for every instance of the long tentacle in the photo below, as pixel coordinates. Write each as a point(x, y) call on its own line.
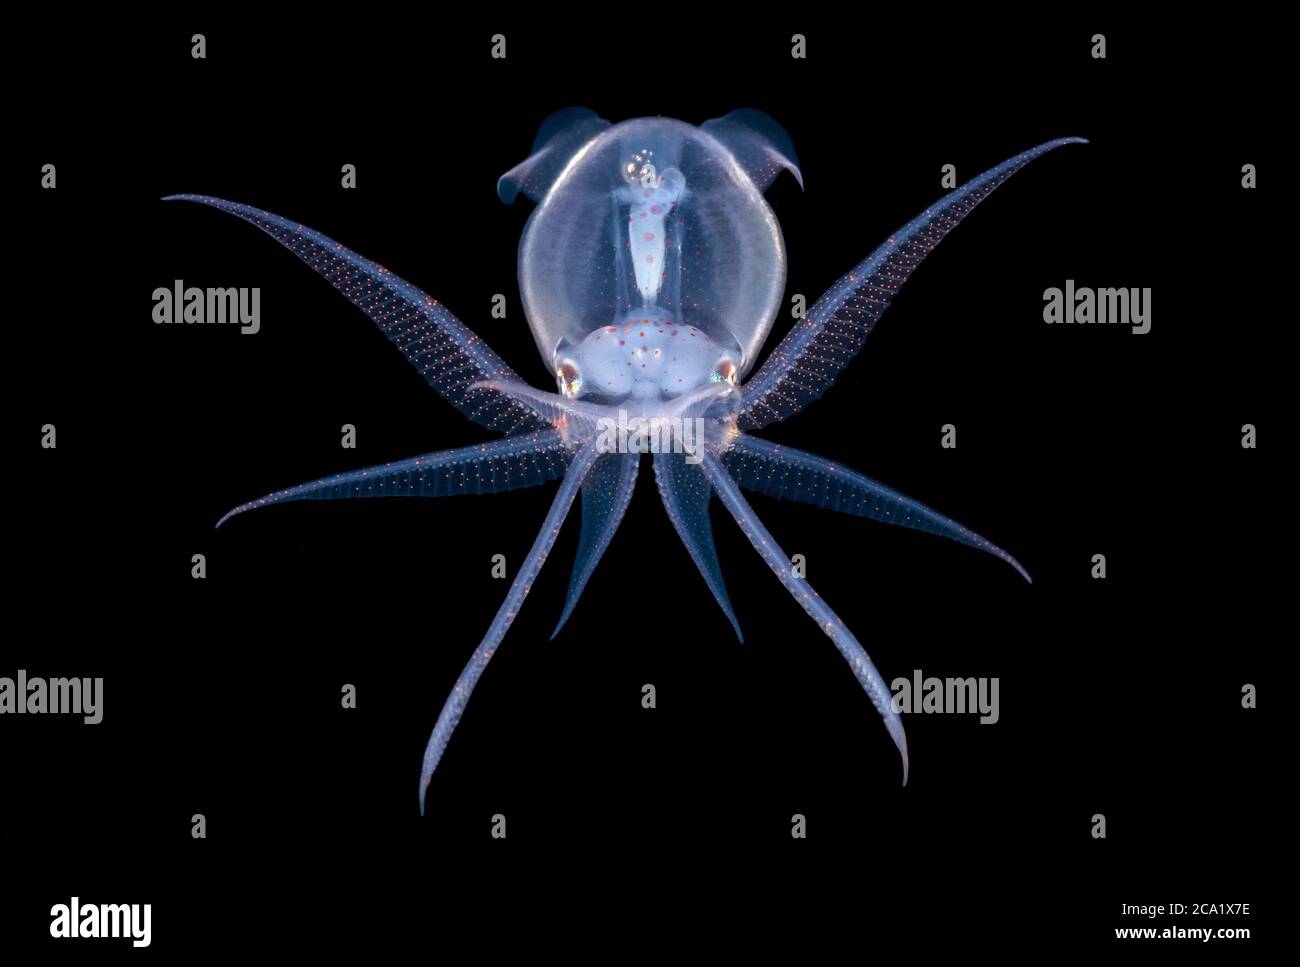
point(863, 669)
point(685, 492)
point(509, 464)
point(780, 471)
point(605, 495)
point(454, 707)
point(808, 360)
point(448, 354)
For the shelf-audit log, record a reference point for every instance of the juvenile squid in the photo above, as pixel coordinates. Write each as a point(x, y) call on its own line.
point(651, 272)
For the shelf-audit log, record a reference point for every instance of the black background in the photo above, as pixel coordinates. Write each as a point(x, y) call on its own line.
point(1119, 696)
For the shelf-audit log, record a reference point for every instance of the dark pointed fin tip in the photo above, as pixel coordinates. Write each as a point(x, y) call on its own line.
point(990, 548)
point(570, 604)
point(233, 512)
point(760, 144)
point(560, 136)
point(508, 187)
point(894, 726)
point(735, 625)
point(425, 780)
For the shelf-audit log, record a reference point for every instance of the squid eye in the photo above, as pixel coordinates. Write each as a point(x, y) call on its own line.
point(724, 372)
point(569, 378)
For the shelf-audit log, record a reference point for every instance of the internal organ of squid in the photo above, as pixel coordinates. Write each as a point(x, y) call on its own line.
point(679, 341)
point(651, 199)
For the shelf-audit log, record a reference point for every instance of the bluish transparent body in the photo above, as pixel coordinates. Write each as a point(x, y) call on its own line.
point(651, 273)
